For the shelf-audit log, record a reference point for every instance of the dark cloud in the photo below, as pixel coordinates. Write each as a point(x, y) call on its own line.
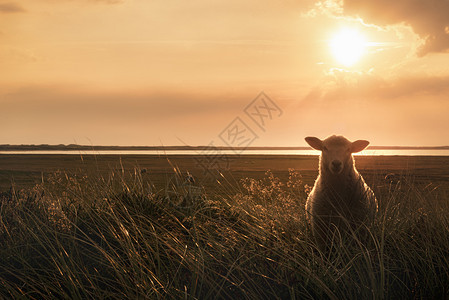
point(10, 7)
point(428, 19)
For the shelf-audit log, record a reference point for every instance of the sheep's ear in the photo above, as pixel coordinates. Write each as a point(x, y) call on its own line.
point(314, 142)
point(359, 145)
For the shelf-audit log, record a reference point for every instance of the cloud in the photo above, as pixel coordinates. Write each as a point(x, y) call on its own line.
point(17, 55)
point(428, 19)
point(10, 7)
point(59, 114)
point(108, 1)
point(388, 111)
point(341, 84)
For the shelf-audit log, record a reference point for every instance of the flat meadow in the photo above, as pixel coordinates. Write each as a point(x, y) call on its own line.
point(138, 226)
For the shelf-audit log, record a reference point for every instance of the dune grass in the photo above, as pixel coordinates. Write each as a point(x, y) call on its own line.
point(119, 237)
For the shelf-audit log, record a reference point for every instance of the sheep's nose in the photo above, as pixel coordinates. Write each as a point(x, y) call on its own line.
point(336, 164)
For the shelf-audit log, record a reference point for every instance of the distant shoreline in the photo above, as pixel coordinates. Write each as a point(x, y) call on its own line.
point(73, 147)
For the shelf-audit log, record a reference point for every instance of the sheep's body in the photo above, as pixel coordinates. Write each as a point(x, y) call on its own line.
point(339, 199)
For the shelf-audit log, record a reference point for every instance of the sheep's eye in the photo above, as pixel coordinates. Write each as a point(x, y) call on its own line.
point(324, 148)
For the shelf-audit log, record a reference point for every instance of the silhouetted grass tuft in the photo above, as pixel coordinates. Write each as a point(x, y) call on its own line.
point(117, 237)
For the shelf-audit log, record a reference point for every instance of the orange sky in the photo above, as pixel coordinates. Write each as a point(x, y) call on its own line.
point(138, 72)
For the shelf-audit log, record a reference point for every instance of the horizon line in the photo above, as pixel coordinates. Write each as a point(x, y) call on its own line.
point(12, 147)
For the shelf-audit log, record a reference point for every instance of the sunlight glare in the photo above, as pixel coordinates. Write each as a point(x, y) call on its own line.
point(348, 46)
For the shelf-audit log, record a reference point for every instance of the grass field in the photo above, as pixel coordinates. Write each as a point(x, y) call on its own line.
point(132, 227)
point(28, 170)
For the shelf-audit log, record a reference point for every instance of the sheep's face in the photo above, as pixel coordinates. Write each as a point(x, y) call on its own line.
point(336, 157)
point(336, 152)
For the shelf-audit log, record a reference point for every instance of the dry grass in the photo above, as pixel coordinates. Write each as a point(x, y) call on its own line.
point(118, 237)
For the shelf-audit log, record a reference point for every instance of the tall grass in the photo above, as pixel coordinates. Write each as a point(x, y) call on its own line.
point(119, 237)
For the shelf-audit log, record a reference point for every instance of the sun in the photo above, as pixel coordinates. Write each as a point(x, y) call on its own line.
point(348, 46)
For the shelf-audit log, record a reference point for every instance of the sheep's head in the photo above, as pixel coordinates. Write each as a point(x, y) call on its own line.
point(336, 151)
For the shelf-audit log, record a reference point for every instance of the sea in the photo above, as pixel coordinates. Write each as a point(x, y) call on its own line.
point(367, 152)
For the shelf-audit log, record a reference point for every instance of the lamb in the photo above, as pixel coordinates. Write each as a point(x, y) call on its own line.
point(340, 199)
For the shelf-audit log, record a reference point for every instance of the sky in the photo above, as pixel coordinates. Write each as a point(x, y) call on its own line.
point(235, 73)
